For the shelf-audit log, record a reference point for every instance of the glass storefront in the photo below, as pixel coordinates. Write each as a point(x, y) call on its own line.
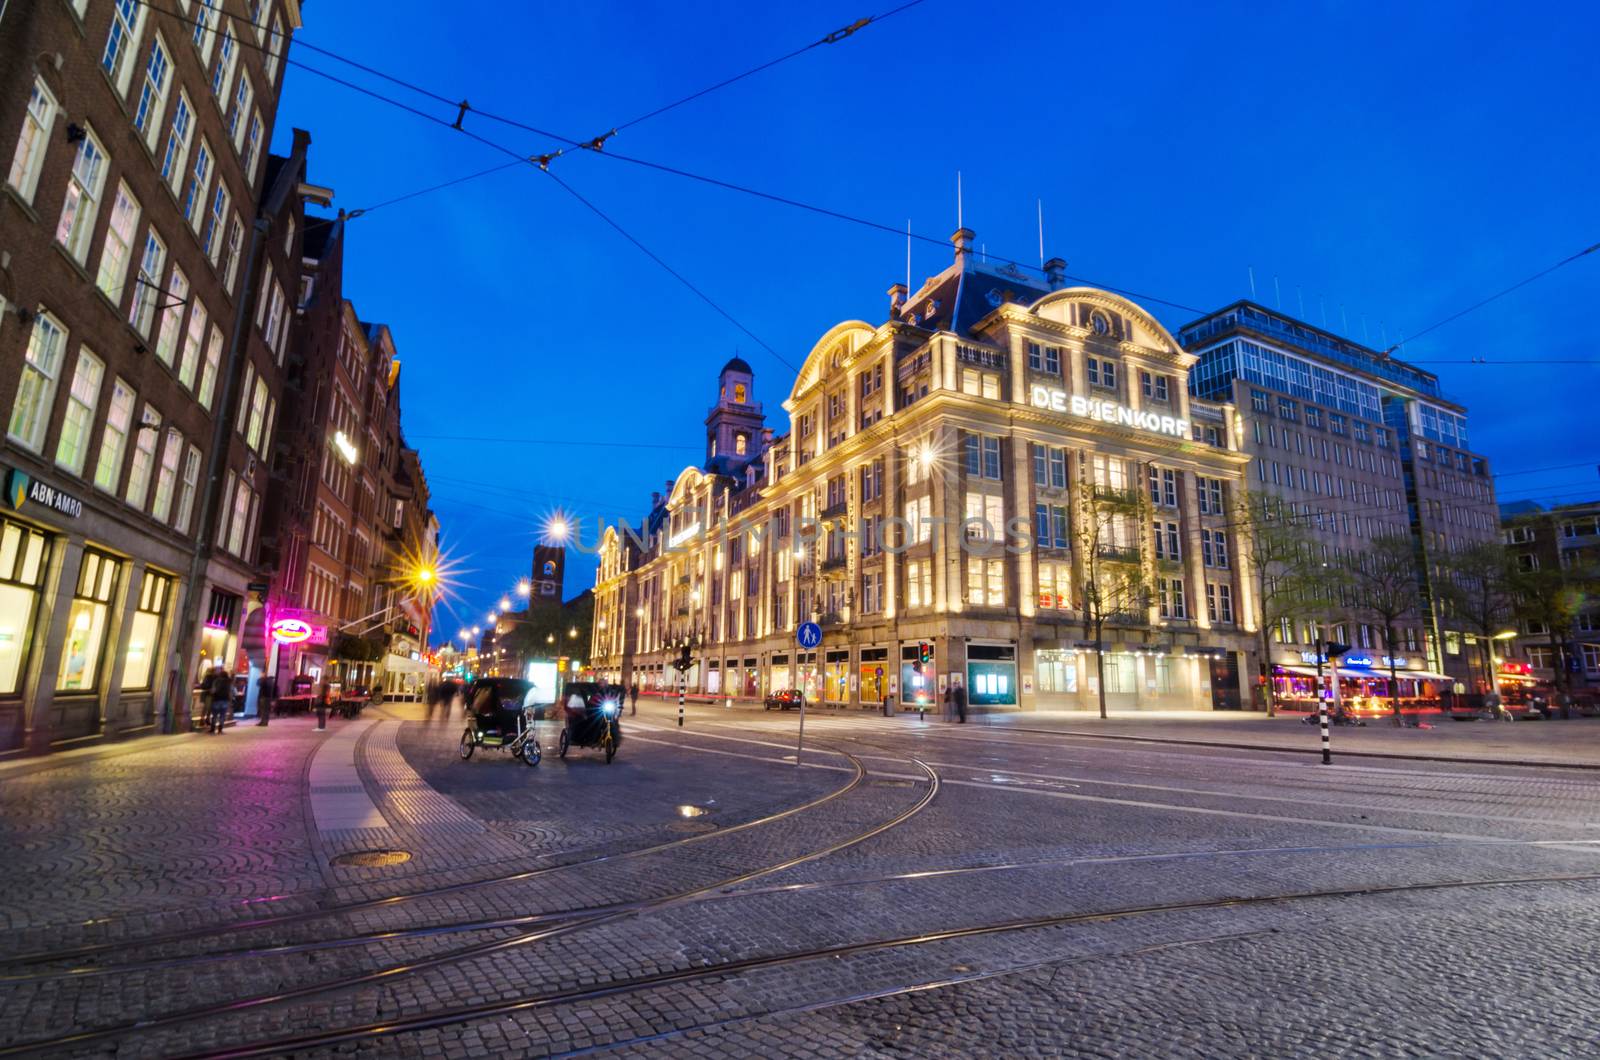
point(918, 683)
point(24, 554)
point(779, 676)
point(875, 674)
point(991, 675)
point(836, 688)
point(810, 681)
point(752, 678)
point(86, 623)
point(714, 677)
point(144, 637)
point(1058, 670)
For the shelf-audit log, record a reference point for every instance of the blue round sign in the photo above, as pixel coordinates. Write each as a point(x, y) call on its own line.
point(809, 635)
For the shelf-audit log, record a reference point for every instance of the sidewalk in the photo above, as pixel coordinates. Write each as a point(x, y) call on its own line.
point(1574, 743)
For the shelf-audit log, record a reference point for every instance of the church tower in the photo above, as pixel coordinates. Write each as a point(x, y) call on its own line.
point(733, 426)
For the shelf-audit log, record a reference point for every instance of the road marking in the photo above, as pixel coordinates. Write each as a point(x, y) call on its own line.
point(1568, 844)
point(339, 801)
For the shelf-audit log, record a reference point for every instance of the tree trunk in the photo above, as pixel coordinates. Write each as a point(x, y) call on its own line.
point(1266, 671)
point(1394, 682)
point(1558, 656)
point(1100, 665)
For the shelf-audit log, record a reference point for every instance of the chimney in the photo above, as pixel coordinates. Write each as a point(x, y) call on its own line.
point(1055, 270)
point(897, 298)
point(655, 501)
point(963, 238)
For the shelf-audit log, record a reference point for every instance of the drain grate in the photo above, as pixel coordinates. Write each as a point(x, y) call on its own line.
point(372, 859)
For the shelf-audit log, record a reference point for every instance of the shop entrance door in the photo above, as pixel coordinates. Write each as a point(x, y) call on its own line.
point(1225, 683)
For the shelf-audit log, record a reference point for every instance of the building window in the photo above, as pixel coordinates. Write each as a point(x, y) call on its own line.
point(86, 623)
point(194, 338)
point(872, 593)
point(144, 457)
point(983, 456)
point(1172, 605)
point(1287, 410)
point(208, 378)
point(919, 583)
point(1527, 562)
point(986, 582)
point(1055, 586)
point(178, 137)
point(167, 475)
point(1258, 401)
point(84, 188)
point(1167, 541)
point(1219, 603)
point(147, 285)
point(1102, 373)
point(275, 44)
point(1155, 387)
point(153, 93)
point(114, 437)
point(252, 147)
point(236, 114)
point(191, 479)
point(36, 390)
point(205, 31)
point(1214, 548)
point(118, 247)
point(212, 240)
point(72, 448)
point(194, 202)
point(227, 58)
point(985, 517)
point(1336, 423)
point(126, 18)
point(177, 293)
point(29, 156)
point(1210, 495)
point(1163, 487)
point(144, 634)
point(24, 557)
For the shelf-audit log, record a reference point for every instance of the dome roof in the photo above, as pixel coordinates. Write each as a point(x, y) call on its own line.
point(736, 364)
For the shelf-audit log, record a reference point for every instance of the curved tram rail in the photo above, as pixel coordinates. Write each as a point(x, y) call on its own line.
point(464, 1014)
point(182, 1016)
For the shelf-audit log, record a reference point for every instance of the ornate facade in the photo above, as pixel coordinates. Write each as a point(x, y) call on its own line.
point(935, 486)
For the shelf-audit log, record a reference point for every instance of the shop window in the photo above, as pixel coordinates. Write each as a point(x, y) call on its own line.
point(145, 636)
point(23, 559)
point(86, 623)
point(1058, 671)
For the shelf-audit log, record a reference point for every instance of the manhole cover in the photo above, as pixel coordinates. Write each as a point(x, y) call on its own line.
point(691, 826)
point(372, 859)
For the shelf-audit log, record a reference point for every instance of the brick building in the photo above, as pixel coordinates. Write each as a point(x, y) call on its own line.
point(144, 310)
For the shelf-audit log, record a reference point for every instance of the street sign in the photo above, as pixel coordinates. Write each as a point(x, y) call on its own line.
point(880, 671)
point(809, 635)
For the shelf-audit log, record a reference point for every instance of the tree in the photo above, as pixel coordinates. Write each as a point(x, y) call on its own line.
point(1477, 590)
point(1384, 584)
point(1291, 584)
point(545, 630)
point(1111, 525)
point(1554, 598)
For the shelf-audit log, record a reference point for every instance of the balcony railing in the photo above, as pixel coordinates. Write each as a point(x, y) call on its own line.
point(834, 563)
point(1115, 554)
point(837, 508)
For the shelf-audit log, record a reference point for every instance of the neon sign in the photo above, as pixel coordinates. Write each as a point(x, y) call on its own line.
point(291, 631)
point(1044, 397)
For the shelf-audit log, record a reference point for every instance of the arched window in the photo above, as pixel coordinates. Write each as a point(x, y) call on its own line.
point(739, 396)
point(739, 444)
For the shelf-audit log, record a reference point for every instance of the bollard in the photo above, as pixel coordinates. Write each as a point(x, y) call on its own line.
point(322, 714)
point(800, 743)
point(682, 687)
point(1322, 720)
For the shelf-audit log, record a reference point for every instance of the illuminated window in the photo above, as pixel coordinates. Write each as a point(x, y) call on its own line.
point(36, 390)
point(24, 556)
point(82, 399)
point(118, 247)
point(154, 592)
point(114, 438)
point(82, 203)
point(86, 623)
point(739, 393)
point(739, 444)
point(144, 457)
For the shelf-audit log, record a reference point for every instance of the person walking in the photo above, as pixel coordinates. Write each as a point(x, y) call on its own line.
point(633, 698)
point(219, 686)
point(958, 696)
point(266, 695)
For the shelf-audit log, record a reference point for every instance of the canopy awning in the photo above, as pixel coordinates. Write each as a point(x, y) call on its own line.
point(1404, 675)
point(402, 665)
point(1303, 671)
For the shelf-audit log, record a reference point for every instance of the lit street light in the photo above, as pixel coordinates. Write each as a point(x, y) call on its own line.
point(505, 604)
point(523, 588)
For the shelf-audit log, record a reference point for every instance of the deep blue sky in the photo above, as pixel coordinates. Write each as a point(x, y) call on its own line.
point(1399, 160)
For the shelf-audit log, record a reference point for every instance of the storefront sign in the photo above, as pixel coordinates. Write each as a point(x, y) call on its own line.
point(22, 488)
point(298, 631)
point(1356, 659)
point(1055, 400)
point(683, 535)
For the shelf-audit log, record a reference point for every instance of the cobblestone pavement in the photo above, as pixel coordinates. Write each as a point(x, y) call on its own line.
point(1059, 895)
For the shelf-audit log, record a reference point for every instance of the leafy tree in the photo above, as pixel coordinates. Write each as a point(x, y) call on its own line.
point(1478, 592)
point(1384, 584)
point(1290, 583)
point(1554, 597)
point(545, 631)
point(1111, 527)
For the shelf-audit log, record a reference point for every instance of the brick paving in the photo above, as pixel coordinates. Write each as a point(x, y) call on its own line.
point(197, 832)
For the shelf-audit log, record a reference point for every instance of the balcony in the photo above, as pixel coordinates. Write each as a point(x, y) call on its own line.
point(829, 618)
point(834, 563)
point(1116, 554)
point(835, 509)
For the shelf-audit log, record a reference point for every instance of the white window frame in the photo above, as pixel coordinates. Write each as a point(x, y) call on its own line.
point(194, 202)
point(173, 297)
point(167, 475)
point(85, 186)
point(230, 258)
point(227, 63)
point(191, 481)
point(238, 114)
point(33, 141)
point(117, 249)
point(122, 43)
point(77, 420)
point(194, 335)
point(114, 435)
point(41, 370)
point(252, 148)
point(145, 436)
point(180, 137)
point(154, 85)
point(221, 206)
point(207, 14)
point(148, 292)
point(208, 377)
point(275, 45)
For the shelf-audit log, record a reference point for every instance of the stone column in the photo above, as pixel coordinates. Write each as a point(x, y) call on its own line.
point(124, 603)
point(49, 635)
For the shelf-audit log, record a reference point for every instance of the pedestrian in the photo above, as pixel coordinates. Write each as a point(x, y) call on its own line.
point(266, 696)
point(959, 696)
point(633, 698)
point(220, 688)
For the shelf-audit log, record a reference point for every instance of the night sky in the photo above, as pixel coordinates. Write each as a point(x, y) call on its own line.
point(1389, 164)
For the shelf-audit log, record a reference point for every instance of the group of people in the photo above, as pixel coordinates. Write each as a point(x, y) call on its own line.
point(221, 698)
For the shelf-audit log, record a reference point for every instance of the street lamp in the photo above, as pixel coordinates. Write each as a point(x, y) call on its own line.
point(505, 604)
point(573, 632)
point(523, 588)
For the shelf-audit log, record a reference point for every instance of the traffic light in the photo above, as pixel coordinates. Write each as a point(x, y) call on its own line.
point(925, 653)
point(1333, 650)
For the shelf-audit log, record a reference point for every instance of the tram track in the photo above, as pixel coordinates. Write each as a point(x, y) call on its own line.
point(396, 971)
point(532, 1002)
point(858, 769)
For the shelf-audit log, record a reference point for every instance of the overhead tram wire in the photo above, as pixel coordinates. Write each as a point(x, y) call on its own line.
point(1474, 307)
